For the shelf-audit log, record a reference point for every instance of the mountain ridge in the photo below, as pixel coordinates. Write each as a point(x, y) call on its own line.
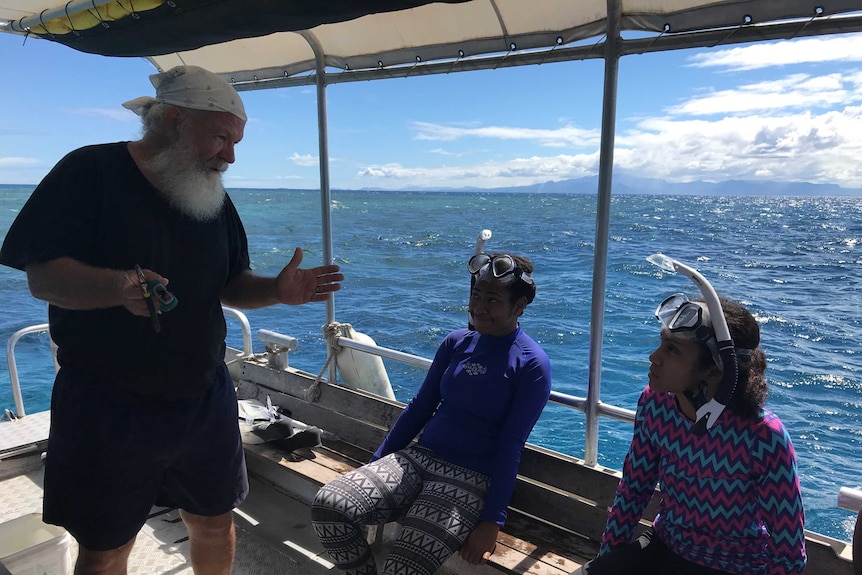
point(626, 184)
point(623, 184)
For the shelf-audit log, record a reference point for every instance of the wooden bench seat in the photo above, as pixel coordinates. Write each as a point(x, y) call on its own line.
point(567, 536)
point(308, 469)
point(571, 500)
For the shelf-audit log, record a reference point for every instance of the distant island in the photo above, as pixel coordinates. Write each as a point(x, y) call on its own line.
point(623, 184)
point(632, 185)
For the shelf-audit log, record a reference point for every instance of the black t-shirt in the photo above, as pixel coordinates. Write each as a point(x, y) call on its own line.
point(96, 206)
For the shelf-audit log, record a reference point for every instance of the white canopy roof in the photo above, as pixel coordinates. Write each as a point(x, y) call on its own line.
point(257, 40)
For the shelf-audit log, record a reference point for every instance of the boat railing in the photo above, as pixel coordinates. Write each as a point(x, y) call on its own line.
point(278, 346)
point(14, 379)
point(848, 498)
point(564, 399)
point(244, 325)
point(13, 366)
point(573, 402)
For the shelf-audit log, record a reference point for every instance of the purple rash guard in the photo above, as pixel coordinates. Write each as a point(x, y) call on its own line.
point(478, 404)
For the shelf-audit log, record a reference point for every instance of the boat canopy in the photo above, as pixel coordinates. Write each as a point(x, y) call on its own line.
point(274, 43)
point(258, 44)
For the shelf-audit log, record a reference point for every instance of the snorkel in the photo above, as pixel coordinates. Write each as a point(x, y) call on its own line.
point(483, 236)
point(708, 413)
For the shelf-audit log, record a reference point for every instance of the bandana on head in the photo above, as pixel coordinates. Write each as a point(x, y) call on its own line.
point(191, 87)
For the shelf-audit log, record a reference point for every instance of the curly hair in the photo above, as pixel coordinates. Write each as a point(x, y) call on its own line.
point(751, 390)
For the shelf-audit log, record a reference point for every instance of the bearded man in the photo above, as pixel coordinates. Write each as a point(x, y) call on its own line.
point(143, 409)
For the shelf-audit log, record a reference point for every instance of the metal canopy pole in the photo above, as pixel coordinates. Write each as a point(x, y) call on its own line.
point(325, 192)
point(603, 212)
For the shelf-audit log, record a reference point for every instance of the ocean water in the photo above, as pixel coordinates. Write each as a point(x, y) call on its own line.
point(794, 262)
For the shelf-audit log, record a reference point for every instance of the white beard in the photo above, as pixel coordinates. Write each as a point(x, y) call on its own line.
point(189, 185)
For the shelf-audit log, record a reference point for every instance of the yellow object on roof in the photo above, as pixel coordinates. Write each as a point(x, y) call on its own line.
point(92, 17)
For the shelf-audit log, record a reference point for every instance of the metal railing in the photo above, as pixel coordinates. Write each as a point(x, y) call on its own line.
point(13, 366)
point(850, 499)
point(564, 399)
point(573, 402)
point(244, 326)
point(15, 382)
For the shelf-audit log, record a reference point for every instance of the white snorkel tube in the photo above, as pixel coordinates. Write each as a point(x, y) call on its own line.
point(708, 413)
point(483, 236)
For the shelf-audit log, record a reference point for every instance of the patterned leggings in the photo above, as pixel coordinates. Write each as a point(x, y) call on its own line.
point(437, 503)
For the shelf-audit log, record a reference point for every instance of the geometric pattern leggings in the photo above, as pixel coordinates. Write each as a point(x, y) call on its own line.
point(437, 503)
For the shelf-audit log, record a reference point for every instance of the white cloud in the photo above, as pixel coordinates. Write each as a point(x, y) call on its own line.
point(13, 162)
point(840, 48)
point(304, 160)
point(803, 126)
point(118, 114)
point(794, 91)
point(819, 148)
point(443, 152)
point(569, 136)
point(516, 172)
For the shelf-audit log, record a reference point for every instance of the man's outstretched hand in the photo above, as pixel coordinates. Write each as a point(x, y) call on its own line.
point(297, 286)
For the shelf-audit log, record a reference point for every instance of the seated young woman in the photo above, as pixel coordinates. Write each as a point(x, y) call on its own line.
point(475, 409)
point(730, 496)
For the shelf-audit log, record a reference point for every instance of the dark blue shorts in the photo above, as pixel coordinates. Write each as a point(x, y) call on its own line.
point(112, 456)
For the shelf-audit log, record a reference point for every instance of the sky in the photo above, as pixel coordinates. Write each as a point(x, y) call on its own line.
point(778, 111)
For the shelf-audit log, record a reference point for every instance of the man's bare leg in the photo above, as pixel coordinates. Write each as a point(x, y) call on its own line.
point(111, 562)
point(212, 541)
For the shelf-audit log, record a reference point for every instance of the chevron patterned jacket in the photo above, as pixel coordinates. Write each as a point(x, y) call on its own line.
point(730, 499)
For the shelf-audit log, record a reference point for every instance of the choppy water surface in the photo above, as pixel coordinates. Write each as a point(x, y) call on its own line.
point(794, 262)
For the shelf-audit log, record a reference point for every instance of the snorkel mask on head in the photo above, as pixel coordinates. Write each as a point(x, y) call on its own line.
point(688, 320)
point(499, 267)
point(708, 413)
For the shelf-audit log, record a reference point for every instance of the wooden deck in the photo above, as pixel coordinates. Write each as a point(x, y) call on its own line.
point(274, 533)
point(306, 470)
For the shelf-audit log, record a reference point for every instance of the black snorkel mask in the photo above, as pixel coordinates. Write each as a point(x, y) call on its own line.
point(687, 317)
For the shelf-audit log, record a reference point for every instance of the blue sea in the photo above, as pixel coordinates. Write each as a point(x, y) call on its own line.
point(794, 262)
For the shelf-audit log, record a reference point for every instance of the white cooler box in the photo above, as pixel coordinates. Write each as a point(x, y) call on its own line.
point(30, 547)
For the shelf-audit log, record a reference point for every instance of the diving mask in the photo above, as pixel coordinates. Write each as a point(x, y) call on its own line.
point(498, 267)
point(689, 320)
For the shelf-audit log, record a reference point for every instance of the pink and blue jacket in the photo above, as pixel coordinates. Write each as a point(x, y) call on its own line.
point(730, 498)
